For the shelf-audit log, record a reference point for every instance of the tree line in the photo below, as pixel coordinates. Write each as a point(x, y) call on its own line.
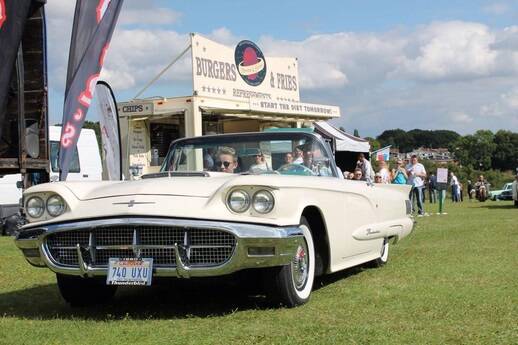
point(482, 150)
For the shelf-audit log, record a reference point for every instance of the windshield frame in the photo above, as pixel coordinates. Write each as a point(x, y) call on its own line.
point(253, 136)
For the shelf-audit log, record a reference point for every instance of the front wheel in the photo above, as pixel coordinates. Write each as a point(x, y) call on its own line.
point(384, 254)
point(84, 292)
point(291, 285)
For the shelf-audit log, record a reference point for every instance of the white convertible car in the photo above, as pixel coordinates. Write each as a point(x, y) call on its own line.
point(272, 201)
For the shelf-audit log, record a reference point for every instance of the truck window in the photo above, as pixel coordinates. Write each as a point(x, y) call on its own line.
point(54, 150)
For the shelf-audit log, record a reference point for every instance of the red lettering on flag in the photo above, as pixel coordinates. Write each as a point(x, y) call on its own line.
point(85, 97)
point(101, 9)
point(68, 135)
point(3, 13)
point(78, 115)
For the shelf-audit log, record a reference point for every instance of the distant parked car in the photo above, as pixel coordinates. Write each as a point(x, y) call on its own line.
point(494, 195)
point(506, 195)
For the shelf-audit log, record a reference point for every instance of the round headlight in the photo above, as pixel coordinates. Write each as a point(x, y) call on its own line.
point(263, 201)
point(55, 205)
point(239, 201)
point(35, 207)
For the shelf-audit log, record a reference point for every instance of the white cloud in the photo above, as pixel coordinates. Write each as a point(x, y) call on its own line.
point(156, 16)
point(460, 117)
point(451, 50)
point(506, 103)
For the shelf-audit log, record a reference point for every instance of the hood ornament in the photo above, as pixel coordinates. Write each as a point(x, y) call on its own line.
point(132, 203)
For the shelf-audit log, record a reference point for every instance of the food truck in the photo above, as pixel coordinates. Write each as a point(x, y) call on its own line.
point(235, 89)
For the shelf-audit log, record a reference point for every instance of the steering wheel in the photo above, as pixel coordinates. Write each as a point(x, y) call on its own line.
point(295, 169)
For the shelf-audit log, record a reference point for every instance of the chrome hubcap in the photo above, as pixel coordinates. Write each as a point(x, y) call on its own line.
point(299, 267)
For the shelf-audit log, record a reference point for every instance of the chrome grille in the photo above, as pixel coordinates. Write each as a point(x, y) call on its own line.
point(198, 247)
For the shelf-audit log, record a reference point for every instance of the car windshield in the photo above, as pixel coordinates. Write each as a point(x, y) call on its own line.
point(265, 153)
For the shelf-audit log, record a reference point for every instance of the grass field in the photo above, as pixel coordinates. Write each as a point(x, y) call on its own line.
point(454, 280)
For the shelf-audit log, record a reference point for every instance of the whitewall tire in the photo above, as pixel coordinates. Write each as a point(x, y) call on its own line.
point(384, 254)
point(292, 284)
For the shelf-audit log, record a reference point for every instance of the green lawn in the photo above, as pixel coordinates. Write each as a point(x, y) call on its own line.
point(453, 280)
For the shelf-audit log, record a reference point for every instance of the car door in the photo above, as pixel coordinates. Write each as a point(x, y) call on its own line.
point(359, 211)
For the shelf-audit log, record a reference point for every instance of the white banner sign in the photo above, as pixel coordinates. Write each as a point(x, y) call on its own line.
point(294, 108)
point(110, 136)
point(242, 72)
point(442, 175)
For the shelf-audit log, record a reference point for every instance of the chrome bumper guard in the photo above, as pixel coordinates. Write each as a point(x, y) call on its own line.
point(271, 246)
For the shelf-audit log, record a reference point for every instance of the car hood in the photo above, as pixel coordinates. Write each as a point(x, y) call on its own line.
point(202, 187)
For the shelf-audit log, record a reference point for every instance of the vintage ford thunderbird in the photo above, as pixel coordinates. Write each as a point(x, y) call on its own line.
point(224, 203)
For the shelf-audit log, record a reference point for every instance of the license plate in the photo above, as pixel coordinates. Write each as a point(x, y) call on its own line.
point(129, 271)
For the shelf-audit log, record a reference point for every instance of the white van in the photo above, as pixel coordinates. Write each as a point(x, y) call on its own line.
point(86, 165)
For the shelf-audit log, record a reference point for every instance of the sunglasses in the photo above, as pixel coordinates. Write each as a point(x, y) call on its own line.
point(226, 164)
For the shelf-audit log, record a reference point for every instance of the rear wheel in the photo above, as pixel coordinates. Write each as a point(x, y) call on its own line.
point(291, 285)
point(83, 292)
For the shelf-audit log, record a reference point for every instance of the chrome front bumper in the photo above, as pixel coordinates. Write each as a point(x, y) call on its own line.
point(256, 246)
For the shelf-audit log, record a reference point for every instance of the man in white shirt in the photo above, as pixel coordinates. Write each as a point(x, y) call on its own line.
point(416, 175)
point(454, 183)
point(366, 167)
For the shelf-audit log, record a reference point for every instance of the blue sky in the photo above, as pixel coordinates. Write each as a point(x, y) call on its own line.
point(294, 20)
point(387, 64)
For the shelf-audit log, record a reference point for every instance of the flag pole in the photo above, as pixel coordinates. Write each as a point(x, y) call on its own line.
point(163, 71)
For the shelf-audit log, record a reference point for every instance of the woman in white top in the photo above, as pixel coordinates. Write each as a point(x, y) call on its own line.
point(384, 172)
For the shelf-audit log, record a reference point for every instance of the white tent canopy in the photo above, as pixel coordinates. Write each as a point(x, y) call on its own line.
point(344, 141)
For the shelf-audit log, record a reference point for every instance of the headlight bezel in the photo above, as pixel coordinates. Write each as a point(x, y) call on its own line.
point(272, 201)
point(63, 209)
point(252, 192)
point(43, 206)
point(246, 198)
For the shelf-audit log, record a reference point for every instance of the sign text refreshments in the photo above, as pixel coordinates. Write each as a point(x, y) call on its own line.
point(242, 73)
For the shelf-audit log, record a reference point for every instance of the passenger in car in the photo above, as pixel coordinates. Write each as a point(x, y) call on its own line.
point(288, 158)
point(260, 163)
point(308, 159)
point(226, 159)
point(358, 175)
point(299, 156)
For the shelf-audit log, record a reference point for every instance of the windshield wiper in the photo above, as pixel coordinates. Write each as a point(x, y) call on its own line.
point(177, 174)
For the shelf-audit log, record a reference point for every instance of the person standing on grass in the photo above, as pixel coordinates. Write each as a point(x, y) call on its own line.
point(515, 190)
point(399, 175)
point(432, 188)
point(454, 183)
point(416, 176)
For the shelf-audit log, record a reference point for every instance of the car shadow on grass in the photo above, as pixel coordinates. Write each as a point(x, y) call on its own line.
point(171, 299)
point(166, 299)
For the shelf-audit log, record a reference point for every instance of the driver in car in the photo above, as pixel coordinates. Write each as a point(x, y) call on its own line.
point(226, 160)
